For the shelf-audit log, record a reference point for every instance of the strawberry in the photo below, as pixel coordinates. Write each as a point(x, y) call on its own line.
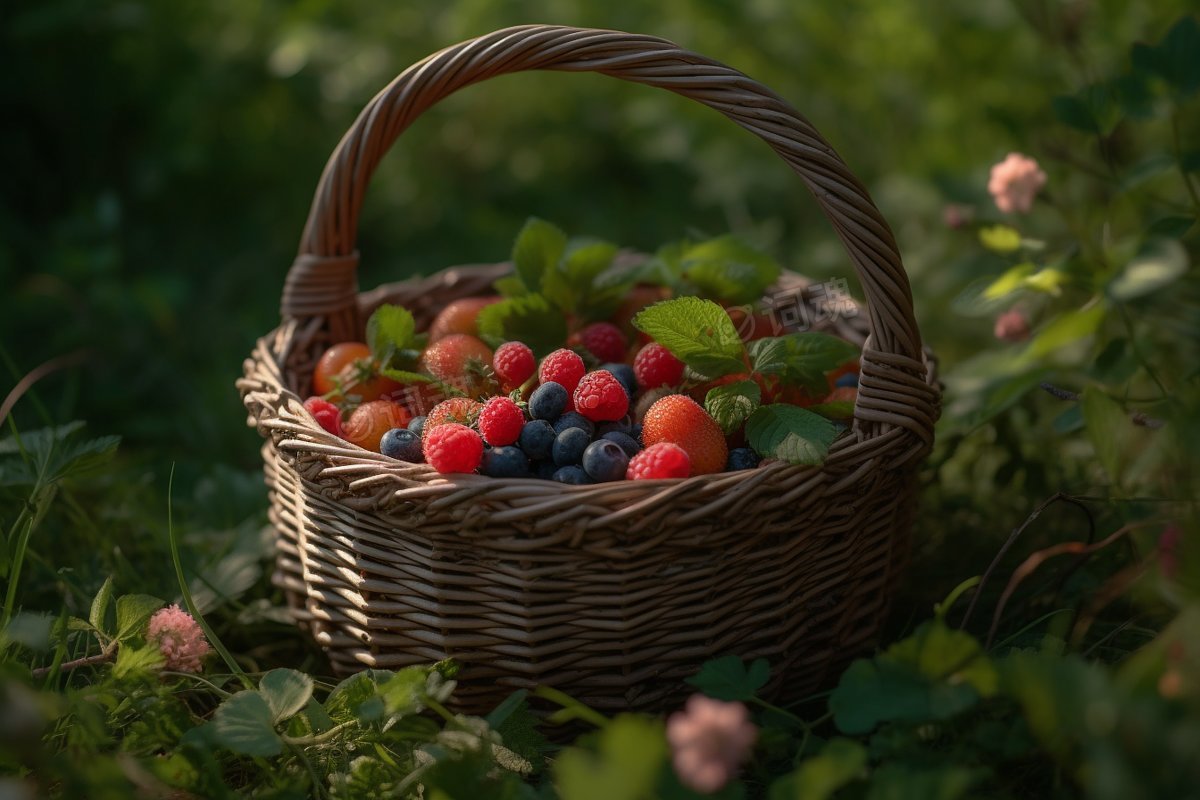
point(459, 317)
point(678, 419)
point(372, 420)
point(459, 360)
point(462, 410)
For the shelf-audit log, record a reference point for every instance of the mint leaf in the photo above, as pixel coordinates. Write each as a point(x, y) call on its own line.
point(801, 359)
point(286, 691)
point(243, 723)
point(729, 269)
point(529, 319)
point(790, 433)
point(727, 678)
point(730, 405)
point(697, 332)
point(390, 329)
point(538, 248)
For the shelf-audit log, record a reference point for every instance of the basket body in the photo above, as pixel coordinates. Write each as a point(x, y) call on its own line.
point(614, 593)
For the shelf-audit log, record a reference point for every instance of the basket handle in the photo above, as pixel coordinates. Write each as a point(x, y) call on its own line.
point(323, 283)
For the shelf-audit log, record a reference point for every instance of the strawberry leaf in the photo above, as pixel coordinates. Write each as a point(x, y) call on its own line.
point(790, 433)
point(729, 269)
point(391, 330)
point(538, 248)
point(732, 404)
point(801, 359)
point(838, 409)
point(697, 332)
point(530, 319)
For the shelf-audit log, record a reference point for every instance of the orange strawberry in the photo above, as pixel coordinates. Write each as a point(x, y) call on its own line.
point(678, 419)
point(460, 360)
point(459, 317)
point(371, 421)
point(462, 410)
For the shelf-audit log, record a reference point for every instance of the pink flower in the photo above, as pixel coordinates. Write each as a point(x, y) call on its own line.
point(1012, 326)
point(956, 216)
point(709, 741)
point(179, 639)
point(1014, 183)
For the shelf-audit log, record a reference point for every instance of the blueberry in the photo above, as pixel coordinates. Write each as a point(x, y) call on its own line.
point(605, 460)
point(537, 437)
point(620, 426)
point(569, 446)
point(403, 444)
point(624, 374)
point(505, 462)
point(849, 379)
point(573, 419)
point(741, 458)
point(544, 469)
point(417, 425)
point(624, 441)
point(572, 474)
point(548, 401)
point(636, 432)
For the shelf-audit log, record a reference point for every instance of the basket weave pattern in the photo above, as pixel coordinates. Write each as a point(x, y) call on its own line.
point(611, 592)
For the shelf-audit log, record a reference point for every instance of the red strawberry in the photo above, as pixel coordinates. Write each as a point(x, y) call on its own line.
point(461, 410)
point(678, 419)
point(459, 317)
point(459, 360)
point(372, 420)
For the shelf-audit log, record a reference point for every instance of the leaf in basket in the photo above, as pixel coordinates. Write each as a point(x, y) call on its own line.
point(538, 248)
point(801, 359)
point(509, 286)
point(727, 678)
point(729, 269)
point(730, 405)
point(390, 330)
point(697, 332)
point(838, 409)
point(628, 759)
point(530, 319)
point(790, 433)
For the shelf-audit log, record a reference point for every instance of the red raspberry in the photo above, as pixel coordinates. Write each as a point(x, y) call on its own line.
point(678, 419)
point(462, 410)
point(453, 448)
point(654, 366)
point(564, 367)
point(513, 364)
point(605, 341)
point(662, 460)
point(327, 415)
point(501, 421)
point(600, 397)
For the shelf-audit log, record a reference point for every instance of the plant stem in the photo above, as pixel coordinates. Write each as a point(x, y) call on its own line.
point(318, 738)
point(102, 657)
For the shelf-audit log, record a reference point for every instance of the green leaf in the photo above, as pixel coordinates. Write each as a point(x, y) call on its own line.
point(631, 752)
point(50, 455)
point(697, 332)
point(404, 692)
point(1093, 110)
point(902, 781)
point(1104, 419)
point(390, 329)
point(840, 410)
point(1161, 265)
point(790, 433)
point(1048, 281)
point(134, 660)
point(1012, 280)
point(818, 778)
point(29, 629)
point(98, 616)
point(1172, 227)
point(133, 611)
point(538, 248)
point(1067, 329)
point(727, 678)
point(285, 691)
point(1176, 59)
point(730, 405)
point(530, 319)
point(1000, 238)
point(344, 702)
point(728, 268)
point(243, 723)
point(944, 654)
point(801, 359)
point(506, 709)
point(509, 286)
point(586, 259)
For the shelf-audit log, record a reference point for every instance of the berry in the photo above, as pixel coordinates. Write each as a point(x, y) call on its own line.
point(603, 340)
point(624, 441)
point(453, 448)
point(462, 410)
point(850, 367)
point(537, 438)
point(741, 458)
point(569, 446)
point(600, 396)
point(500, 421)
point(678, 419)
point(621, 425)
point(544, 469)
point(636, 432)
point(654, 366)
point(348, 369)
point(605, 460)
point(573, 419)
point(455, 357)
point(638, 298)
point(846, 381)
point(417, 425)
point(513, 363)
point(505, 462)
point(459, 317)
point(327, 415)
point(402, 444)
point(571, 474)
point(662, 460)
point(548, 401)
point(623, 373)
point(371, 421)
point(843, 394)
point(564, 367)
point(750, 326)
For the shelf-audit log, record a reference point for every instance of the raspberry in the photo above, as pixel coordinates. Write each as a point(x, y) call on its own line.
point(654, 366)
point(455, 357)
point(453, 448)
point(677, 418)
point(842, 394)
point(462, 410)
point(623, 373)
point(662, 460)
point(600, 397)
point(327, 415)
point(513, 364)
point(459, 317)
point(563, 367)
point(500, 421)
point(604, 340)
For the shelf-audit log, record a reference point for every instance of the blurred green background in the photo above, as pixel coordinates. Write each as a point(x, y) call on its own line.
point(161, 157)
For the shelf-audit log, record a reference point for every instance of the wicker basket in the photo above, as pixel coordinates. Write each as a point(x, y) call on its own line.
point(614, 592)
